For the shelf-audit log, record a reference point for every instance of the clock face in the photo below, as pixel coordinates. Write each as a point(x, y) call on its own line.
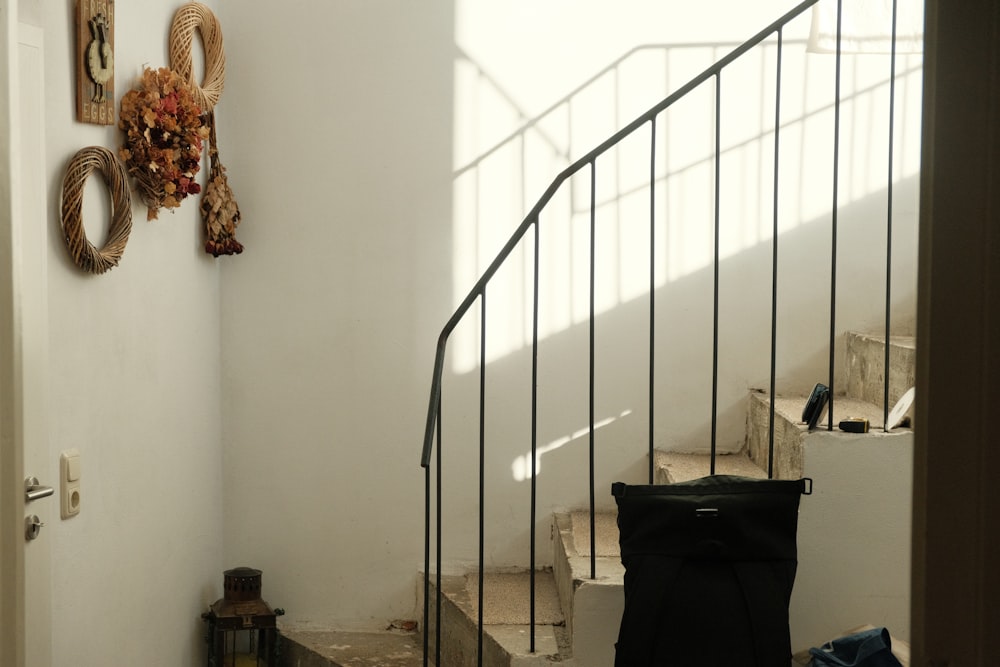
point(100, 56)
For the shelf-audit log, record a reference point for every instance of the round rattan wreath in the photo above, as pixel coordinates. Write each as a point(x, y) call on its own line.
point(83, 252)
point(190, 17)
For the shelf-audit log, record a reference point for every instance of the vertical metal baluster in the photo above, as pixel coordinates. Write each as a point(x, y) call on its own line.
point(833, 250)
point(482, 469)
point(437, 611)
point(427, 563)
point(888, 243)
point(715, 268)
point(652, 287)
point(593, 264)
point(534, 430)
point(774, 264)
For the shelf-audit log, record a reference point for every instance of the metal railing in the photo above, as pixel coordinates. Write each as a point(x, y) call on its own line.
point(431, 456)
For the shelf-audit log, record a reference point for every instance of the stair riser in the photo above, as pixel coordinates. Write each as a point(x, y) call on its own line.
point(561, 569)
point(502, 645)
point(787, 440)
point(866, 368)
point(597, 612)
point(592, 607)
point(460, 635)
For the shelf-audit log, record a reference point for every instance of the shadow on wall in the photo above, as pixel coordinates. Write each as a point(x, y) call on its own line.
point(494, 190)
point(683, 372)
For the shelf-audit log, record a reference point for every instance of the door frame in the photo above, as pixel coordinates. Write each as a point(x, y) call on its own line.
point(12, 593)
point(25, 595)
point(956, 502)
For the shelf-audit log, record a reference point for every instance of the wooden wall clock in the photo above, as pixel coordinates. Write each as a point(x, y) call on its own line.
point(95, 57)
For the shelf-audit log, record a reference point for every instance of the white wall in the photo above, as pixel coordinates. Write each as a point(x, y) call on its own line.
point(498, 85)
point(134, 385)
point(340, 127)
point(336, 128)
point(854, 537)
point(308, 357)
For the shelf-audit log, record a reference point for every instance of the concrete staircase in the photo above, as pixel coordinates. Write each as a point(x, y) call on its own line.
point(854, 541)
point(854, 532)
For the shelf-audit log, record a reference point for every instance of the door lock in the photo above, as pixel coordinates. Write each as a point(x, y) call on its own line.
point(34, 491)
point(32, 527)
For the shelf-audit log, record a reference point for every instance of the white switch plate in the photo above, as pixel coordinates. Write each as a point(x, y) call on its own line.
point(69, 483)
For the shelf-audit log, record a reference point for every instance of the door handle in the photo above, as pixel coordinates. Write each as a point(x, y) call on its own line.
point(34, 491)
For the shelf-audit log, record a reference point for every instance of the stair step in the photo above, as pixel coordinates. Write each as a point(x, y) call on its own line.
point(605, 533)
point(592, 606)
point(506, 618)
point(790, 432)
point(506, 594)
point(347, 649)
point(866, 367)
point(671, 467)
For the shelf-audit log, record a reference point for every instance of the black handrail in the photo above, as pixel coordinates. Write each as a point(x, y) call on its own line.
point(478, 292)
point(531, 220)
point(532, 217)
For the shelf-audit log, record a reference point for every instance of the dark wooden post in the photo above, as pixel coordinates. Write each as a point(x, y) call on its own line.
point(956, 510)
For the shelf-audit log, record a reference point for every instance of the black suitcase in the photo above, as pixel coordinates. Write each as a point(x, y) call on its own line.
point(709, 568)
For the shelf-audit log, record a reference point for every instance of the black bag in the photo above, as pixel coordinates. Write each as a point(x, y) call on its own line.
point(709, 568)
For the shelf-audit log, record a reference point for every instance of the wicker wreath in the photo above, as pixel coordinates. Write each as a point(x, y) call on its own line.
point(190, 17)
point(83, 252)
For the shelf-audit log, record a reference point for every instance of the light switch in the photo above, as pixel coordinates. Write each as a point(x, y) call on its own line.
point(69, 482)
point(73, 467)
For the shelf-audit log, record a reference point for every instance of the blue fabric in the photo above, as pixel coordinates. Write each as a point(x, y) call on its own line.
point(869, 648)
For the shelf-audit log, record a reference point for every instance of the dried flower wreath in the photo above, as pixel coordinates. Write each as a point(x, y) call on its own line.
point(164, 135)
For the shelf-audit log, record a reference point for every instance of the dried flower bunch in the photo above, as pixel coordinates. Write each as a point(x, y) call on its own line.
point(221, 215)
point(164, 134)
point(219, 209)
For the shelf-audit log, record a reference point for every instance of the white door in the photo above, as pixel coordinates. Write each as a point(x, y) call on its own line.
point(25, 609)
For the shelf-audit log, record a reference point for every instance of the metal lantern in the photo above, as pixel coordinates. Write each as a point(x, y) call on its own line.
point(242, 628)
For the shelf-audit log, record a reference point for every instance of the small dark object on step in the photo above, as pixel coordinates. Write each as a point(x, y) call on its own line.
point(854, 425)
point(816, 405)
point(403, 625)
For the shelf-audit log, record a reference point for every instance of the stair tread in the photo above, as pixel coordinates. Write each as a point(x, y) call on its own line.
point(844, 407)
point(506, 595)
point(790, 433)
point(335, 648)
point(678, 467)
point(896, 340)
point(605, 533)
point(515, 640)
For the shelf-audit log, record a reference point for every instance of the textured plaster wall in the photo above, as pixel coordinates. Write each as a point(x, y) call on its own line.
point(497, 86)
point(341, 125)
point(268, 411)
point(134, 385)
point(337, 134)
